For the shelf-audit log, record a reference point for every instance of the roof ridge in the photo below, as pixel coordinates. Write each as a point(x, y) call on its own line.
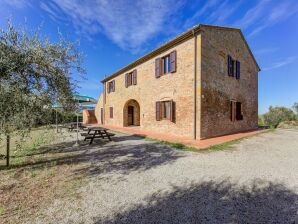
point(175, 40)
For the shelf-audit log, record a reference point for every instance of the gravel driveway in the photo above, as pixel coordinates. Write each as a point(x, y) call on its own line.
point(137, 181)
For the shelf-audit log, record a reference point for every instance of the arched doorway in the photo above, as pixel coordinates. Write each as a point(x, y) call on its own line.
point(131, 113)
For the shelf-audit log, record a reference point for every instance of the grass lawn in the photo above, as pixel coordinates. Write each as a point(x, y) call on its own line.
point(34, 178)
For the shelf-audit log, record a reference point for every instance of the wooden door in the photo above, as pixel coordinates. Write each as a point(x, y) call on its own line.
point(130, 115)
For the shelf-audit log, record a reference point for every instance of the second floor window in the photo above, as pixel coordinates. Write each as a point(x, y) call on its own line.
point(166, 64)
point(131, 78)
point(233, 67)
point(111, 86)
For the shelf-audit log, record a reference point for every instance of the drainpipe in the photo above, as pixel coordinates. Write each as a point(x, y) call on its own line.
point(103, 104)
point(195, 86)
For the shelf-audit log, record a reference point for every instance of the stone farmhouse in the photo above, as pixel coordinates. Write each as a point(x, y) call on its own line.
point(201, 84)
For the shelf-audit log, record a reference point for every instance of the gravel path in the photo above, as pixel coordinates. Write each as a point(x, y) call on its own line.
point(137, 181)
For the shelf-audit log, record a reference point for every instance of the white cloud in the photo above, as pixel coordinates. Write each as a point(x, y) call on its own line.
point(253, 15)
point(223, 12)
point(278, 14)
point(129, 24)
point(266, 51)
point(203, 10)
point(265, 14)
point(281, 63)
point(19, 4)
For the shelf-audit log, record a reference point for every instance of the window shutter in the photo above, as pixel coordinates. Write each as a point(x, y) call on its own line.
point(101, 115)
point(233, 67)
point(230, 66)
point(111, 112)
point(134, 77)
point(237, 70)
point(126, 80)
point(158, 110)
point(173, 60)
point(113, 85)
point(108, 87)
point(157, 67)
point(233, 110)
point(173, 111)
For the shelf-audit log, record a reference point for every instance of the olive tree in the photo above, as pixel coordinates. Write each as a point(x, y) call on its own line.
point(275, 115)
point(295, 107)
point(34, 72)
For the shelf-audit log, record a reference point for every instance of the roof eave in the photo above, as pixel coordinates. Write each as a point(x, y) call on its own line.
point(182, 37)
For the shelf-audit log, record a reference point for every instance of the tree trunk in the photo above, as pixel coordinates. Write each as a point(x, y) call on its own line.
point(7, 149)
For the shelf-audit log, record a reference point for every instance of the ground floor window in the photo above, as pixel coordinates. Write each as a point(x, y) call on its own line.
point(236, 110)
point(165, 110)
point(111, 112)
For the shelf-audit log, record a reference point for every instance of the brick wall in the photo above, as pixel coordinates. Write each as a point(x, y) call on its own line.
point(214, 88)
point(176, 86)
point(98, 107)
point(218, 88)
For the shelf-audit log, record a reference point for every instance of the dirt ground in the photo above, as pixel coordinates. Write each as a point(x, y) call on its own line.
point(133, 180)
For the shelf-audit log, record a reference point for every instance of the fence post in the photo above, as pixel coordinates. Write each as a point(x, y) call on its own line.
point(7, 149)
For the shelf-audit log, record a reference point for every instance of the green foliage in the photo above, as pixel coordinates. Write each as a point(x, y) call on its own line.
point(222, 146)
point(295, 107)
point(276, 115)
point(261, 121)
point(34, 73)
point(174, 145)
point(1, 210)
point(63, 116)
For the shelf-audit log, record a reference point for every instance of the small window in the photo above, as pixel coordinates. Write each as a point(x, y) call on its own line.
point(237, 70)
point(165, 110)
point(239, 115)
point(233, 67)
point(111, 112)
point(131, 78)
point(111, 86)
point(236, 111)
point(166, 64)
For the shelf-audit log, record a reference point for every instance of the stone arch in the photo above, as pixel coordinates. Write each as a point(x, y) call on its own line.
point(131, 113)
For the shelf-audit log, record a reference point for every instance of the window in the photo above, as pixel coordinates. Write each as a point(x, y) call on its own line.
point(237, 70)
point(236, 111)
point(111, 86)
point(165, 110)
point(131, 78)
point(111, 112)
point(166, 64)
point(233, 67)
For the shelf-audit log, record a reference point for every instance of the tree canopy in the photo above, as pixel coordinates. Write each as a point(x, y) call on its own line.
point(34, 72)
point(275, 115)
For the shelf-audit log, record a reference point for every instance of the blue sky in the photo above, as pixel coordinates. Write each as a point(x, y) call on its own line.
point(114, 33)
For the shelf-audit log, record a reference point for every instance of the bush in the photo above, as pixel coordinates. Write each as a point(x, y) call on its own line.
point(275, 115)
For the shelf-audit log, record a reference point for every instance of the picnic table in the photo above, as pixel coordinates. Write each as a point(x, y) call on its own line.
point(97, 132)
point(73, 126)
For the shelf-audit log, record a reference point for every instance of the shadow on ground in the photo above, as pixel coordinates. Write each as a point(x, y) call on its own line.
point(125, 154)
point(213, 202)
